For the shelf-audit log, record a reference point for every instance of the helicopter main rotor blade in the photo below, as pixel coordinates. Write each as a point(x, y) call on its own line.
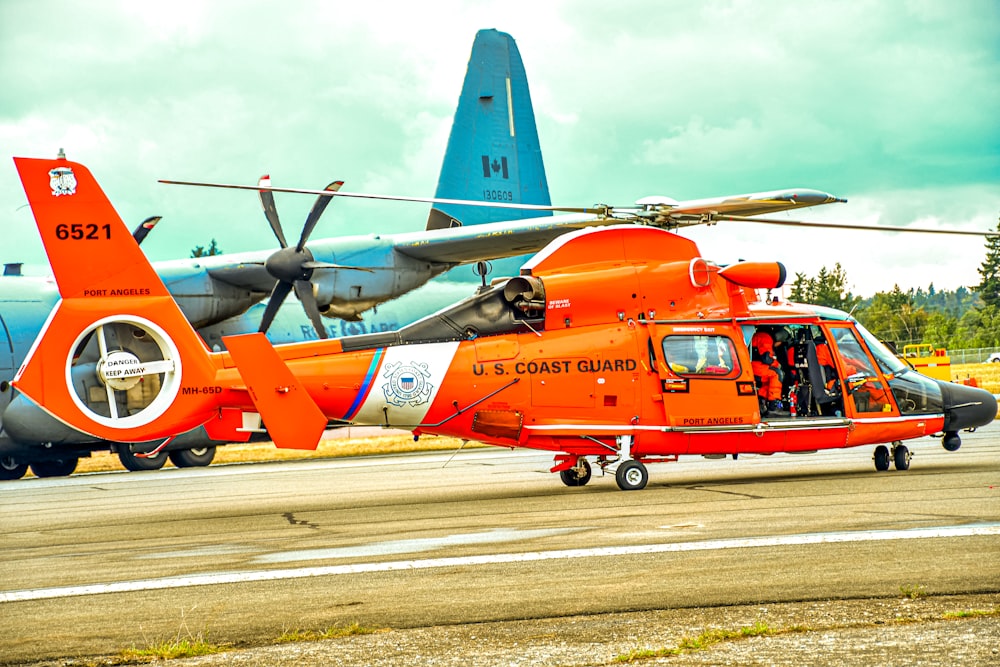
point(270, 210)
point(849, 225)
point(278, 294)
point(626, 213)
point(317, 210)
point(598, 209)
point(303, 290)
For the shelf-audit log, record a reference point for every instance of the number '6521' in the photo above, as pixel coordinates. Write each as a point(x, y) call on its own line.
point(82, 232)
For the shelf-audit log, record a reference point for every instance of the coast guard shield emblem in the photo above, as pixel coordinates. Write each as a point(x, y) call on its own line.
point(62, 181)
point(406, 384)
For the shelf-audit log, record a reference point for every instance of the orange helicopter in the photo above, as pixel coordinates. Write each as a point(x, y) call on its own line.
point(616, 346)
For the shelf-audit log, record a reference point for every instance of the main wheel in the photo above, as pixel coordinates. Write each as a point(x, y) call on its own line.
point(135, 463)
point(11, 469)
point(881, 458)
point(54, 467)
point(901, 457)
point(631, 476)
point(192, 458)
point(577, 475)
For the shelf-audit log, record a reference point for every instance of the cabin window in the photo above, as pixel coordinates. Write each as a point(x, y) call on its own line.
point(702, 356)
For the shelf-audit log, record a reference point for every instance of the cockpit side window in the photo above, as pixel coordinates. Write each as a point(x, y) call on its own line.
point(861, 380)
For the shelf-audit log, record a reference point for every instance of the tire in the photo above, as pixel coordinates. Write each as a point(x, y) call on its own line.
point(192, 458)
point(882, 458)
point(901, 457)
point(134, 463)
point(571, 477)
point(11, 469)
point(631, 476)
point(54, 467)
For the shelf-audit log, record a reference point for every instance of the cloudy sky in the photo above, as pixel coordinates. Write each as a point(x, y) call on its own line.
point(895, 106)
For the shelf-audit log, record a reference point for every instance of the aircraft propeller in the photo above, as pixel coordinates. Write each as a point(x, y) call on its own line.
point(291, 266)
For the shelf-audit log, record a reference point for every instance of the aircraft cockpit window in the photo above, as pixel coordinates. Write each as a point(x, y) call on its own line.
point(713, 356)
point(887, 361)
point(861, 379)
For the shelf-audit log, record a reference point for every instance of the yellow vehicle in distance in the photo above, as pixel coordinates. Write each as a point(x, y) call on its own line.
point(932, 362)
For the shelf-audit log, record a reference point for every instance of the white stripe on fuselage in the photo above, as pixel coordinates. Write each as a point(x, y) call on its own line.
point(406, 384)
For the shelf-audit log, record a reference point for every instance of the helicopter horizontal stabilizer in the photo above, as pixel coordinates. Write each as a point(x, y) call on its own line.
point(292, 418)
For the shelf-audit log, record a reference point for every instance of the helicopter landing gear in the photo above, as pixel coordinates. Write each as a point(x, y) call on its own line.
point(899, 456)
point(134, 463)
point(631, 475)
point(882, 458)
point(578, 475)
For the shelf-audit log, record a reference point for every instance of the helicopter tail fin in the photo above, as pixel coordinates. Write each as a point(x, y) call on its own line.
point(116, 358)
point(493, 151)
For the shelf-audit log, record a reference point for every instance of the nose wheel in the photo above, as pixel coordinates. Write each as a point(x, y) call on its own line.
point(899, 456)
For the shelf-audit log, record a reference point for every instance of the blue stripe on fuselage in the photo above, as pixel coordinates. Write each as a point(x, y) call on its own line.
point(366, 385)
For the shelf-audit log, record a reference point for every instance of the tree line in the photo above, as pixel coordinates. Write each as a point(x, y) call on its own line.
point(954, 319)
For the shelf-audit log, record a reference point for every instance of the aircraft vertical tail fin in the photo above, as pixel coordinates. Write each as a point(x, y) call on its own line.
point(493, 151)
point(116, 359)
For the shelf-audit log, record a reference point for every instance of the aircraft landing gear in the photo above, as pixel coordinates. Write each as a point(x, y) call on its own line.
point(631, 475)
point(54, 467)
point(578, 475)
point(882, 458)
point(192, 458)
point(11, 469)
point(135, 463)
point(899, 456)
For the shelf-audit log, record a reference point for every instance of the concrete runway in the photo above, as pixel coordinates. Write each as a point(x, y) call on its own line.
point(92, 564)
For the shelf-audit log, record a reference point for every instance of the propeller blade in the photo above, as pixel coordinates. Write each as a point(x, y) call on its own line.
point(270, 210)
point(328, 265)
point(145, 227)
point(317, 210)
point(303, 290)
point(278, 294)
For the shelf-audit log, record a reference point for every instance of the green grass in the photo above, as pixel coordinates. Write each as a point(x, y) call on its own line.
point(913, 591)
point(332, 632)
point(971, 613)
point(169, 650)
point(709, 638)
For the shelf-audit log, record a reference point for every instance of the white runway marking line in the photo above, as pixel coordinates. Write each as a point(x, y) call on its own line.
point(493, 559)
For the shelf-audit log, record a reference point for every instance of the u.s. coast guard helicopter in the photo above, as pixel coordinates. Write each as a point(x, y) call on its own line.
point(616, 346)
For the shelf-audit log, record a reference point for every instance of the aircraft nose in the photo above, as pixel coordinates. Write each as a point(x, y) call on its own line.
point(966, 407)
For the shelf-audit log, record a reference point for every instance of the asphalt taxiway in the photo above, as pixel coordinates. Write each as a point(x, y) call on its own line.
point(95, 563)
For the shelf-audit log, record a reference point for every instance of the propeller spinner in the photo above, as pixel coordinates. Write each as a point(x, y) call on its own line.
point(291, 266)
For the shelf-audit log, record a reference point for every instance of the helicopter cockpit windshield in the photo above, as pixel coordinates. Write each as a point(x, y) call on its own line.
point(914, 393)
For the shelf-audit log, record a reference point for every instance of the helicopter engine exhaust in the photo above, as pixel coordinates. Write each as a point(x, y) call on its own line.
point(762, 275)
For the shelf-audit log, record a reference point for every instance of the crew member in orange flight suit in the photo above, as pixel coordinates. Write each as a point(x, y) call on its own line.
point(767, 368)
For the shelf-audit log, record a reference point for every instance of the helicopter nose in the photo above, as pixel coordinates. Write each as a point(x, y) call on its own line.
point(966, 407)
